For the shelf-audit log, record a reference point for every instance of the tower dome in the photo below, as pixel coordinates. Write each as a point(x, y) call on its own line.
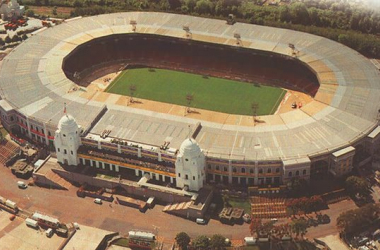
point(190, 147)
point(67, 121)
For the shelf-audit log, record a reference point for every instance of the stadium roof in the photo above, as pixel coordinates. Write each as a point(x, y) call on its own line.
point(344, 109)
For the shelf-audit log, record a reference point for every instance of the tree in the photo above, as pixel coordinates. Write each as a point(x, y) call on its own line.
point(24, 37)
point(357, 219)
point(299, 227)
point(201, 242)
point(183, 240)
point(203, 7)
point(54, 11)
point(15, 38)
point(299, 13)
point(218, 242)
point(29, 13)
point(2, 43)
point(7, 39)
point(356, 185)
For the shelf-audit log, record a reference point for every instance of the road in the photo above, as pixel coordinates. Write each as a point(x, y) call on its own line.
point(67, 207)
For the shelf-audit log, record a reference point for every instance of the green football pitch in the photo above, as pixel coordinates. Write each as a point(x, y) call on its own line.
point(210, 93)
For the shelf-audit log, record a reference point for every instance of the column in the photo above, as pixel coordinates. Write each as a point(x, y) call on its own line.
point(159, 156)
point(99, 145)
point(46, 135)
point(91, 163)
point(28, 125)
point(116, 168)
point(229, 172)
point(139, 152)
point(136, 172)
point(97, 164)
point(119, 148)
point(171, 180)
point(103, 165)
point(111, 167)
point(239, 180)
point(256, 178)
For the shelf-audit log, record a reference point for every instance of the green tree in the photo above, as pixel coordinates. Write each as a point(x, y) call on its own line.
point(78, 3)
point(299, 13)
point(7, 39)
point(357, 219)
point(183, 240)
point(299, 227)
point(2, 43)
point(203, 7)
point(54, 11)
point(29, 13)
point(201, 242)
point(15, 38)
point(218, 242)
point(24, 37)
point(356, 185)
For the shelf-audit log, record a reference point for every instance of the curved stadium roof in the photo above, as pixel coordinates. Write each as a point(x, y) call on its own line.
point(343, 111)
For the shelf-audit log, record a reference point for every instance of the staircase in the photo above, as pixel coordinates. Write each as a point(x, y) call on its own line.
point(178, 208)
point(58, 180)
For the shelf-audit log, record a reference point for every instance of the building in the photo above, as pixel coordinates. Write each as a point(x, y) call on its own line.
point(11, 9)
point(336, 130)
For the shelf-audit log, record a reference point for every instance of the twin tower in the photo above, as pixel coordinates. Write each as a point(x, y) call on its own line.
point(189, 165)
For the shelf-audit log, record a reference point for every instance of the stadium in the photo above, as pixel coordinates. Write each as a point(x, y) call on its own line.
point(327, 135)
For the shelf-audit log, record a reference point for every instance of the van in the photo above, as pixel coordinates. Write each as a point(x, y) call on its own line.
point(21, 184)
point(200, 221)
point(98, 201)
point(49, 232)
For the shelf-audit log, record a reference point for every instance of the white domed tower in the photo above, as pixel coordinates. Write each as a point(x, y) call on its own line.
point(190, 165)
point(67, 140)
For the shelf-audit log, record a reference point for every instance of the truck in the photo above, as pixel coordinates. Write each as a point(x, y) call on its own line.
point(11, 204)
point(49, 232)
point(31, 223)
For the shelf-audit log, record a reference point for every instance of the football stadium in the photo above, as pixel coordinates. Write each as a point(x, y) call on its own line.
point(245, 141)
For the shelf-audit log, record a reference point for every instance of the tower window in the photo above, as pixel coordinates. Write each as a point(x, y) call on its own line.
point(304, 172)
point(186, 159)
point(65, 151)
point(179, 174)
point(64, 135)
point(193, 178)
point(72, 152)
point(186, 177)
point(59, 150)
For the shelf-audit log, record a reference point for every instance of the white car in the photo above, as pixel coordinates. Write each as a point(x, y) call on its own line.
point(200, 221)
point(98, 201)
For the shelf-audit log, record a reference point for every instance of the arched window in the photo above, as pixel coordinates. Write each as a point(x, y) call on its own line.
point(243, 170)
point(269, 170)
point(297, 173)
point(251, 171)
point(225, 169)
point(234, 170)
point(260, 170)
point(217, 167)
point(304, 172)
point(277, 170)
point(290, 174)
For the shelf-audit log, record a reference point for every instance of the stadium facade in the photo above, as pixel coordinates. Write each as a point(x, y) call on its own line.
point(339, 127)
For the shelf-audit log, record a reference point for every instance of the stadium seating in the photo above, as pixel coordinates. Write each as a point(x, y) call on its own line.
point(176, 54)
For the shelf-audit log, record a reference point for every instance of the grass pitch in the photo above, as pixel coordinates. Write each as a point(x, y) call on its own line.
point(208, 93)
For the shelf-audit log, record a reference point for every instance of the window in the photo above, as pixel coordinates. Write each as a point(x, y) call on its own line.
point(243, 170)
point(179, 174)
point(251, 171)
point(186, 159)
point(217, 167)
point(234, 170)
point(297, 173)
point(49, 134)
point(260, 171)
point(64, 135)
point(65, 151)
point(269, 170)
point(72, 152)
point(59, 150)
point(277, 170)
point(42, 130)
point(290, 174)
point(186, 177)
point(209, 166)
point(304, 172)
point(193, 178)
point(225, 169)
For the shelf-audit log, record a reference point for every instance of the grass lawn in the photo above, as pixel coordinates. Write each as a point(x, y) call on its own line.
point(240, 203)
point(209, 93)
